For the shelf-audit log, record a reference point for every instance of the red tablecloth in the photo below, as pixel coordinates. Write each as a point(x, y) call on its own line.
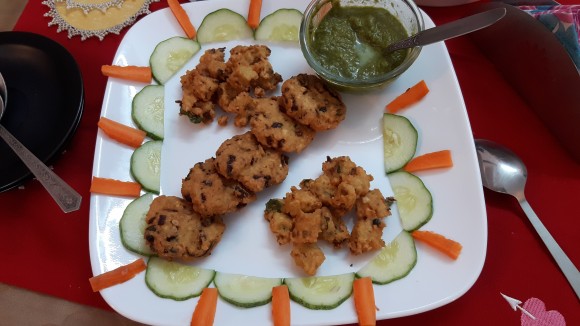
point(47, 251)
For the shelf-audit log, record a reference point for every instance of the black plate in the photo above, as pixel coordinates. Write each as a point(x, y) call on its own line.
point(45, 100)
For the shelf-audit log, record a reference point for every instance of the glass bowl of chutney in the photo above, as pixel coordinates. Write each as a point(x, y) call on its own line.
point(344, 41)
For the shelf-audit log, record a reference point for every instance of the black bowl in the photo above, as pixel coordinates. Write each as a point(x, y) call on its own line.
point(45, 100)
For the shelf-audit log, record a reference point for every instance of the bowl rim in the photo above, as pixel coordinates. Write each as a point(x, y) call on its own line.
point(313, 8)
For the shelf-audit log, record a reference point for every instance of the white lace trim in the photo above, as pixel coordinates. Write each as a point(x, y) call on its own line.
point(86, 7)
point(62, 24)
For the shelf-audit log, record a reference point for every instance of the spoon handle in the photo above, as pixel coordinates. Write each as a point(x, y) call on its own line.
point(566, 265)
point(65, 196)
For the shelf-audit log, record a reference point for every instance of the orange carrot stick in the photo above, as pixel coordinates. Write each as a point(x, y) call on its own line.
point(204, 313)
point(124, 134)
point(118, 275)
point(410, 96)
point(447, 246)
point(182, 18)
point(135, 73)
point(115, 187)
point(364, 301)
point(254, 13)
point(433, 160)
point(281, 306)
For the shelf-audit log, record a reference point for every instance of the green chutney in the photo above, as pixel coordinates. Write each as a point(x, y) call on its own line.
point(350, 40)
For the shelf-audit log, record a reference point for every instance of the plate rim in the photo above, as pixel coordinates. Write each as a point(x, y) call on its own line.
point(467, 284)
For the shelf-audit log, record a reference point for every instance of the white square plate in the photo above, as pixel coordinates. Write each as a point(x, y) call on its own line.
point(248, 247)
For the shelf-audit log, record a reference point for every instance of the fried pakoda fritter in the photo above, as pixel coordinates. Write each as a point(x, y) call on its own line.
point(241, 106)
point(367, 232)
point(175, 231)
point(308, 256)
point(248, 68)
point(275, 129)
point(299, 200)
point(308, 100)
point(315, 210)
point(307, 227)
point(244, 159)
point(332, 227)
point(342, 170)
point(215, 81)
point(198, 92)
point(212, 64)
point(212, 194)
point(281, 224)
point(340, 184)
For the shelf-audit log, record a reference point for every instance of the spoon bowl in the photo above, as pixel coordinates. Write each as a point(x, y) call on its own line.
point(65, 196)
point(503, 171)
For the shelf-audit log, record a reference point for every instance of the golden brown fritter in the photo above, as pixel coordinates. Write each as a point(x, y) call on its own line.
point(307, 227)
point(367, 232)
point(248, 68)
point(276, 130)
point(212, 64)
point(175, 231)
point(333, 228)
point(341, 197)
point(342, 169)
point(197, 93)
point(315, 210)
point(212, 194)
point(308, 100)
point(245, 160)
point(281, 224)
point(307, 256)
point(298, 201)
point(242, 106)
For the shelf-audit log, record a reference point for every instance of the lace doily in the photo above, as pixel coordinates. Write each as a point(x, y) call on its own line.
point(95, 22)
point(88, 5)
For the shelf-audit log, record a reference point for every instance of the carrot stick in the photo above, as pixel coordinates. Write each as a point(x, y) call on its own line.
point(118, 275)
point(182, 18)
point(254, 13)
point(135, 73)
point(364, 301)
point(433, 160)
point(124, 134)
point(204, 312)
point(410, 96)
point(281, 306)
point(115, 187)
point(447, 246)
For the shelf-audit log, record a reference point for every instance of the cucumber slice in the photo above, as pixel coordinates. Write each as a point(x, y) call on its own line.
point(399, 141)
point(147, 110)
point(394, 261)
point(132, 225)
point(170, 55)
point(146, 165)
point(173, 280)
point(223, 25)
point(320, 292)
point(281, 25)
point(413, 199)
point(245, 291)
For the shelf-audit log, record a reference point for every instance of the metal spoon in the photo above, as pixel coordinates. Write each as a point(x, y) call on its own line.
point(450, 30)
point(66, 197)
point(504, 172)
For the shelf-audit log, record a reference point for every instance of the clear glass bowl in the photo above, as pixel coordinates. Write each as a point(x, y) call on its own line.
point(405, 10)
